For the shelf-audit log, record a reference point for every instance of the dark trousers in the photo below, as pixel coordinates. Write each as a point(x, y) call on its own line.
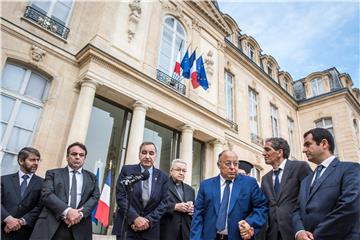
point(63, 232)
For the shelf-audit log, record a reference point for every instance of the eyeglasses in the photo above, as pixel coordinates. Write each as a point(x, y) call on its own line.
point(228, 164)
point(180, 170)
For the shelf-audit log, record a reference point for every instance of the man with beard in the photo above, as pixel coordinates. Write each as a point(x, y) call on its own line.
point(20, 197)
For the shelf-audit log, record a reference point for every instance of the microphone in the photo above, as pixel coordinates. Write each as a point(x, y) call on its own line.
point(132, 179)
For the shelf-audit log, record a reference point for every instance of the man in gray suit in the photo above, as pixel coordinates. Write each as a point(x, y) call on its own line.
point(281, 186)
point(69, 195)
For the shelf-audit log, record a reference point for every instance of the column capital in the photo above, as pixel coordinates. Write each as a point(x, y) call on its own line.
point(87, 82)
point(140, 106)
point(187, 128)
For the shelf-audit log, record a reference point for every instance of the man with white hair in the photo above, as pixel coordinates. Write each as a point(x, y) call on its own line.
point(175, 223)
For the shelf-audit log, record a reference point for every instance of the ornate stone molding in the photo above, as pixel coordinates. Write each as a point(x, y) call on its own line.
point(187, 128)
point(36, 53)
point(209, 62)
point(134, 18)
point(174, 10)
point(221, 45)
point(140, 106)
point(196, 25)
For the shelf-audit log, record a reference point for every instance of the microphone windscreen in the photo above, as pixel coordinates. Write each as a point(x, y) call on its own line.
point(146, 174)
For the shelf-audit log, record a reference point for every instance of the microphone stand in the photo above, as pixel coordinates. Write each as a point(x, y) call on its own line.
point(128, 190)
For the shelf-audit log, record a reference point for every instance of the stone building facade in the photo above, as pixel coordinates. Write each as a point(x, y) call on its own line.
point(100, 72)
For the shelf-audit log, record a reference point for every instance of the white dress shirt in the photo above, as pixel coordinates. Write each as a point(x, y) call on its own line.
point(282, 166)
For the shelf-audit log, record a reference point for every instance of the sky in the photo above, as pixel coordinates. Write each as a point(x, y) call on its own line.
point(303, 36)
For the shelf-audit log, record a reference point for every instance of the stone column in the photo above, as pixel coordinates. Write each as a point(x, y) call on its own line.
point(82, 114)
point(136, 133)
point(186, 150)
point(218, 145)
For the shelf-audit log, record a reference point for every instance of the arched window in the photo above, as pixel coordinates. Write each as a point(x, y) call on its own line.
point(173, 36)
point(22, 95)
point(317, 86)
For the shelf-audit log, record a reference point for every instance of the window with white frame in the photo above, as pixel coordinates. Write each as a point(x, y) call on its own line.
point(172, 38)
point(317, 86)
point(253, 114)
point(58, 10)
point(251, 51)
point(229, 98)
point(270, 69)
point(327, 124)
point(22, 96)
point(291, 136)
point(274, 120)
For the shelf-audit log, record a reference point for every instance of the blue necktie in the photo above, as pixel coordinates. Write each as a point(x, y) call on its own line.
point(221, 220)
point(277, 182)
point(23, 185)
point(317, 175)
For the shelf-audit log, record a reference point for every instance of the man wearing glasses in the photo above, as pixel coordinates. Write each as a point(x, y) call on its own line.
point(175, 224)
point(228, 206)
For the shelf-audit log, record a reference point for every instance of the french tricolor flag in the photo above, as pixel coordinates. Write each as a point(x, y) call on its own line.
point(103, 209)
point(193, 72)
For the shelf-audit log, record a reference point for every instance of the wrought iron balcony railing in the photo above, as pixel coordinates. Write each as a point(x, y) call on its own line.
point(171, 82)
point(256, 139)
point(46, 22)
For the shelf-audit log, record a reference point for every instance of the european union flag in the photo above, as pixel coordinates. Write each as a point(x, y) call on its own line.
point(185, 65)
point(201, 74)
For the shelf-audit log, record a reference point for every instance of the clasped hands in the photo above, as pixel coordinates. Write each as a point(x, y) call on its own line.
point(185, 207)
point(246, 231)
point(73, 216)
point(12, 224)
point(140, 224)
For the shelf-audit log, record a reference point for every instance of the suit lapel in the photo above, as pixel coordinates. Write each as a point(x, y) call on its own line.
point(173, 190)
point(235, 191)
point(286, 173)
point(320, 180)
point(216, 193)
point(65, 177)
point(86, 179)
point(16, 185)
point(154, 180)
point(269, 184)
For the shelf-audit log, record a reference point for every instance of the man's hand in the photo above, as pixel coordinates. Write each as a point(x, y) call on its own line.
point(185, 207)
point(12, 224)
point(304, 235)
point(140, 224)
point(246, 231)
point(73, 217)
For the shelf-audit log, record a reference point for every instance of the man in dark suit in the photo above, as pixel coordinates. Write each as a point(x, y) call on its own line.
point(228, 206)
point(175, 224)
point(328, 201)
point(148, 200)
point(69, 195)
point(20, 197)
point(281, 186)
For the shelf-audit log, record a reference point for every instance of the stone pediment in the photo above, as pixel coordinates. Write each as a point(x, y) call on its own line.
point(210, 13)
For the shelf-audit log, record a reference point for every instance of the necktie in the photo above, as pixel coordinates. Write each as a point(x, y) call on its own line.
point(145, 192)
point(73, 191)
point(317, 175)
point(277, 181)
point(23, 185)
point(221, 220)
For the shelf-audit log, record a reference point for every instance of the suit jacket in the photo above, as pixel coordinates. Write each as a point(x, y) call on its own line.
point(28, 207)
point(173, 220)
point(247, 202)
point(332, 209)
point(154, 209)
point(55, 197)
point(282, 206)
